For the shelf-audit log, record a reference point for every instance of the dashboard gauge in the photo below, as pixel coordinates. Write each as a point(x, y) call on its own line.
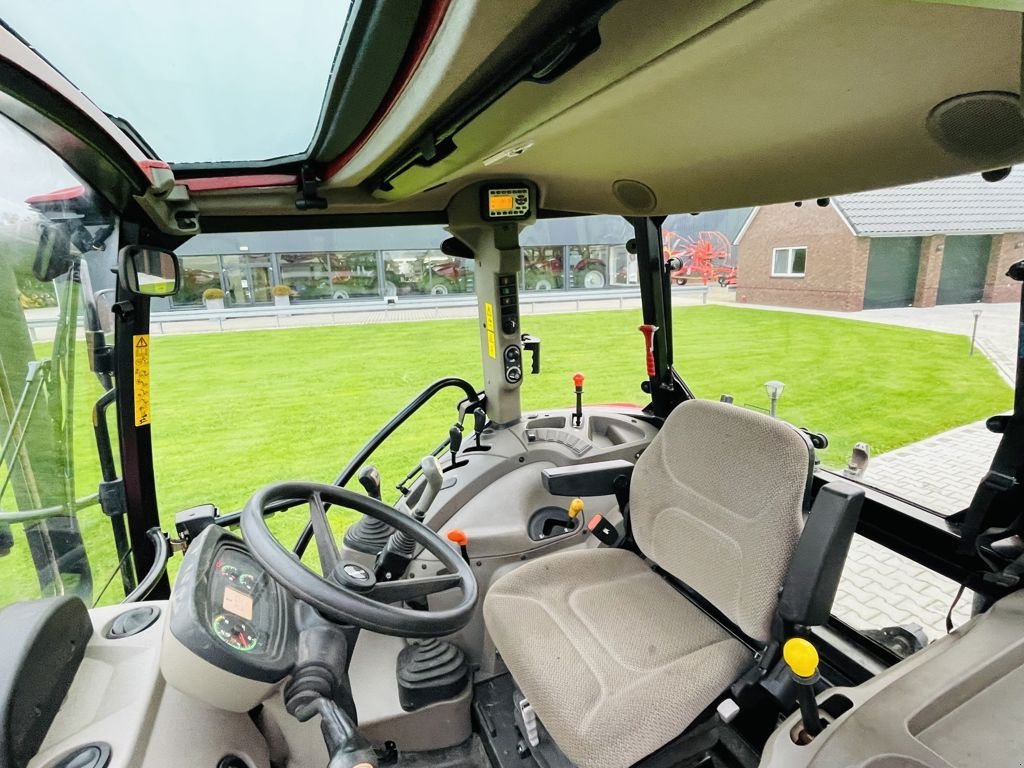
point(247, 581)
point(229, 572)
point(235, 632)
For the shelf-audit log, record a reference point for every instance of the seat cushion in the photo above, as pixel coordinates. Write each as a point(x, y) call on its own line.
point(613, 659)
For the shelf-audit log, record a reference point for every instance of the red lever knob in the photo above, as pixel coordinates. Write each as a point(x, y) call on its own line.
point(648, 332)
point(578, 380)
point(458, 536)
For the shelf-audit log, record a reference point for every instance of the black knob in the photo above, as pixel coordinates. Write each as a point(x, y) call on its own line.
point(455, 439)
point(369, 478)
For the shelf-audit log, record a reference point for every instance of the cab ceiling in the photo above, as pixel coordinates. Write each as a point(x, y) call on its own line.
point(709, 105)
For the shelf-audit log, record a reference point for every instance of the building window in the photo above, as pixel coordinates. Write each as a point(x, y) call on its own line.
point(789, 262)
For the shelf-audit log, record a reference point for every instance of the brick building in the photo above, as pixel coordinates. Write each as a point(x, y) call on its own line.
point(942, 242)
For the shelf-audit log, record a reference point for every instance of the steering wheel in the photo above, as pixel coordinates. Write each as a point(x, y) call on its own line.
point(348, 593)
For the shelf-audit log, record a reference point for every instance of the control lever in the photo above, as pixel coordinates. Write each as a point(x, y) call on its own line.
point(577, 417)
point(345, 745)
point(532, 345)
point(802, 659)
point(369, 534)
point(648, 331)
point(455, 441)
point(401, 548)
point(316, 690)
point(432, 473)
point(479, 424)
point(369, 478)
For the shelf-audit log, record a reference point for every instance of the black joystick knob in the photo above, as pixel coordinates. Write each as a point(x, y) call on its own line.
point(369, 478)
point(479, 423)
point(369, 534)
point(455, 441)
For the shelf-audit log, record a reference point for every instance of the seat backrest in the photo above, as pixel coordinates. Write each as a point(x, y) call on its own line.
point(717, 501)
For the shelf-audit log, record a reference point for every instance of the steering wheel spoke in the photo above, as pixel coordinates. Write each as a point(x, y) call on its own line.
point(342, 594)
point(411, 589)
point(326, 546)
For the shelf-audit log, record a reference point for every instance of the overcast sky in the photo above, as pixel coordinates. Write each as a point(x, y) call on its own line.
point(200, 80)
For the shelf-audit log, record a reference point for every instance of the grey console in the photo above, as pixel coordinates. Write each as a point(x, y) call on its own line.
point(496, 496)
point(955, 703)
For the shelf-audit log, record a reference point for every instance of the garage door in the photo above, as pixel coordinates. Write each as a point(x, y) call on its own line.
point(964, 263)
point(892, 272)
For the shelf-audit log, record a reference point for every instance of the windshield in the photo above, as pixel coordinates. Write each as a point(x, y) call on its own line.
point(56, 251)
point(233, 80)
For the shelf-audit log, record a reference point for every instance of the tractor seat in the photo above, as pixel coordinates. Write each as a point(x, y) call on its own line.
point(616, 661)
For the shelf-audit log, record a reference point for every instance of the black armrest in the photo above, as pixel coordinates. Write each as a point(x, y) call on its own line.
point(43, 645)
point(820, 555)
point(601, 478)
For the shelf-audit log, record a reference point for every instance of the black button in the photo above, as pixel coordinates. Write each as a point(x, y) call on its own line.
point(133, 621)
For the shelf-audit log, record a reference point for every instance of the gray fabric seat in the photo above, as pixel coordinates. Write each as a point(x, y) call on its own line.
point(615, 661)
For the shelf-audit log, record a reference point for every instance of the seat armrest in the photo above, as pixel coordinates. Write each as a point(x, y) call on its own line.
point(820, 554)
point(600, 478)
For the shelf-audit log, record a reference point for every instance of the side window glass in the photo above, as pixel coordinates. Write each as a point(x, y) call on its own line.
point(57, 247)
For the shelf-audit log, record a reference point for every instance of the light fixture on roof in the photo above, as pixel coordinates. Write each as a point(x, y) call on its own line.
point(243, 247)
point(774, 389)
point(507, 154)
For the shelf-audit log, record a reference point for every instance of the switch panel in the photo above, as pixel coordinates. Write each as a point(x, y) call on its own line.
point(508, 297)
point(513, 364)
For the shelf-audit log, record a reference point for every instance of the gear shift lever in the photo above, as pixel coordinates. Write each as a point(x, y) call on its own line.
point(369, 478)
point(400, 549)
point(368, 535)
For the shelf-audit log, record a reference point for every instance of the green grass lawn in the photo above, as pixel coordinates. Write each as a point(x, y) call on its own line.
point(233, 411)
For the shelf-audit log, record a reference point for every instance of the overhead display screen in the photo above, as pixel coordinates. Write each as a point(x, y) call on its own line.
point(507, 203)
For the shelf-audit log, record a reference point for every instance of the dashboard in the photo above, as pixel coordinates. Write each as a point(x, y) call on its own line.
point(228, 611)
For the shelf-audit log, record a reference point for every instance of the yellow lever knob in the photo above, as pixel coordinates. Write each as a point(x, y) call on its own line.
point(801, 657)
point(575, 507)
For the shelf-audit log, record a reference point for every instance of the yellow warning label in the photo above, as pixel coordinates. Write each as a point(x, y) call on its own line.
point(141, 366)
point(489, 322)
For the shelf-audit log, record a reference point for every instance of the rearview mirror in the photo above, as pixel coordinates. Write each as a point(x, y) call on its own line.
point(148, 271)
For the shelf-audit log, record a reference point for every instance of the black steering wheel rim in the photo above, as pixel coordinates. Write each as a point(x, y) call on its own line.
point(345, 605)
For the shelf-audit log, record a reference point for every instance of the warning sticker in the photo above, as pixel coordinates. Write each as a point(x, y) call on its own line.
point(489, 322)
point(141, 366)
